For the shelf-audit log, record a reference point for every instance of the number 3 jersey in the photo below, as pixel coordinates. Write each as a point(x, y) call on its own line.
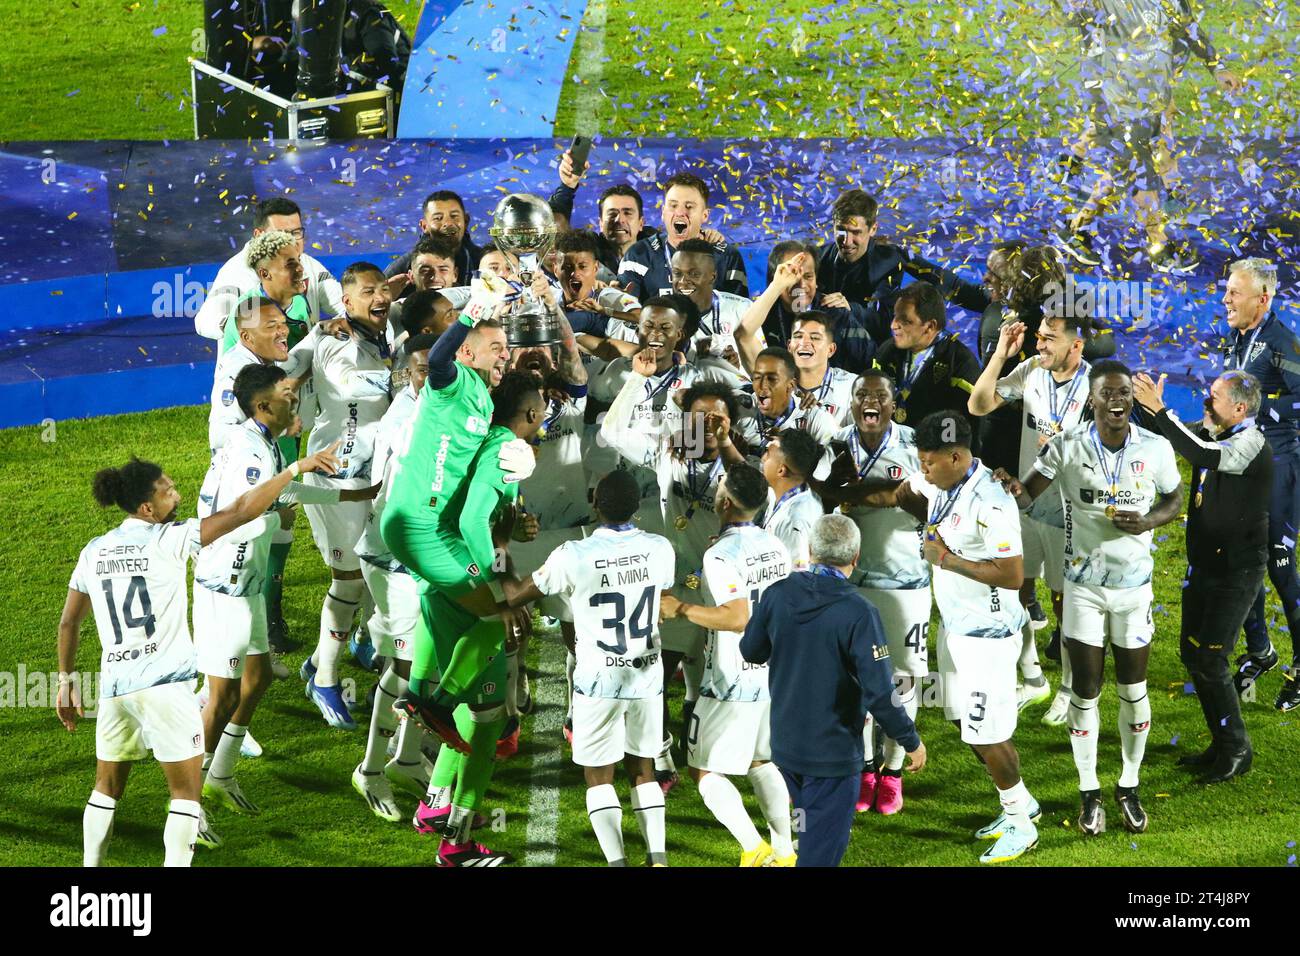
point(743, 563)
point(613, 580)
point(982, 524)
point(135, 578)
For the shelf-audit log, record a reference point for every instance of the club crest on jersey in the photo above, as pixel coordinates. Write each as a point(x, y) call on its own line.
point(1137, 467)
point(233, 662)
point(336, 554)
point(227, 397)
point(879, 652)
point(252, 475)
point(1256, 351)
point(197, 739)
point(895, 472)
point(472, 570)
point(489, 687)
point(399, 643)
point(940, 371)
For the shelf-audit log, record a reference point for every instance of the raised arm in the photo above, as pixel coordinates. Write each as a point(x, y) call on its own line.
point(984, 397)
point(255, 502)
point(641, 446)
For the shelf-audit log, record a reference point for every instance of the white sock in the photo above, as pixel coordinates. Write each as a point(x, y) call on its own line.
point(1015, 804)
point(1134, 726)
point(383, 722)
point(570, 663)
point(1084, 724)
point(227, 753)
point(512, 683)
point(693, 675)
point(336, 616)
point(723, 800)
point(894, 752)
point(96, 827)
point(606, 816)
point(1030, 669)
point(648, 804)
point(409, 737)
point(179, 833)
point(774, 801)
point(459, 824)
point(869, 742)
point(207, 762)
point(437, 797)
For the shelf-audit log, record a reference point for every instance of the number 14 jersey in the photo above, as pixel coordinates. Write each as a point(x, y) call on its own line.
point(613, 580)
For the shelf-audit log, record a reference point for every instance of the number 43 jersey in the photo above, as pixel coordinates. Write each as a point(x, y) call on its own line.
point(135, 578)
point(744, 562)
point(613, 580)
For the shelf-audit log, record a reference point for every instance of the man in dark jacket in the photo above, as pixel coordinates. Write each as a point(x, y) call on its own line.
point(828, 666)
point(443, 213)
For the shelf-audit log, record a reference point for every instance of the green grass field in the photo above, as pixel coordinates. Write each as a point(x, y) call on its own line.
point(312, 816)
point(721, 68)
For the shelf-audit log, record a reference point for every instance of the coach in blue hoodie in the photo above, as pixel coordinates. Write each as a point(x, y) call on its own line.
point(828, 666)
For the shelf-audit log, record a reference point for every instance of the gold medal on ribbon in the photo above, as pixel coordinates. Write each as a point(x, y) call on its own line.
point(693, 582)
point(680, 522)
point(900, 416)
point(1111, 511)
point(1199, 498)
point(931, 530)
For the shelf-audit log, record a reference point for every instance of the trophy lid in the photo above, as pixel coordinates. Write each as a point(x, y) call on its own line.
point(523, 223)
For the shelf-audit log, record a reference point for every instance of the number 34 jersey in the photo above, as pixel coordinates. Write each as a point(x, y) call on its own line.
point(613, 580)
point(135, 578)
point(744, 562)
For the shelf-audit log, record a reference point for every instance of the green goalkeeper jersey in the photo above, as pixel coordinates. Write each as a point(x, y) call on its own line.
point(471, 512)
point(449, 428)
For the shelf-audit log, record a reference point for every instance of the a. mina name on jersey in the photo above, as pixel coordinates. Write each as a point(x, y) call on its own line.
point(890, 557)
point(743, 563)
point(1096, 552)
point(135, 578)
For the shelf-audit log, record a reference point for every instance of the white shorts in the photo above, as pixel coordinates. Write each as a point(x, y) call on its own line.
point(335, 528)
point(165, 719)
point(1092, 614)
point(605, 729)
point(906, 619)
point(1044, 547)
point(979, 685)
point(728, 736)
point(528, 556)
point(227, 630)
point(397, 609)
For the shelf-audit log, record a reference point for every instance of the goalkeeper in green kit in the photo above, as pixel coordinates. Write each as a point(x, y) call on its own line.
point(421, 515)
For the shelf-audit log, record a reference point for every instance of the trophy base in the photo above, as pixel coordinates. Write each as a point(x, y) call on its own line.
point(531, 331)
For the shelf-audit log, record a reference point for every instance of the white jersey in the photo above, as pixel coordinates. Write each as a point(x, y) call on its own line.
point(388, 436)
point(235, 280)
point(743, 563)
point(1049, 407)
point(225, 413)
point(834, 395)
point(791, 519)
point(757, 429)
point(1096, 552)
point(720, 324)
point(135, 578)
point(653, 407)
point(977, 521)
point(613, 581)
point(352, 373)
point(556, 492)
point(236, 564)
point(891, 538)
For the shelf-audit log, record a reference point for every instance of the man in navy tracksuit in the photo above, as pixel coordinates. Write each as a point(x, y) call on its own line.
point(828, 666)
point(1264, 346)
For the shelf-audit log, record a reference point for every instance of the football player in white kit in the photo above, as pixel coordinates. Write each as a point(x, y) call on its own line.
point(1117, 482)
point(891, 572)
point(972, 539)
point(1054, 394)
point(729, 731)
point(351, 371)
point(230, 627)
point(812, 343)
point(773, 403)
point(613, 581)
point(133, 578)
point(397, 607)
point(688, 460)
point(694, 274)
point(792, 507)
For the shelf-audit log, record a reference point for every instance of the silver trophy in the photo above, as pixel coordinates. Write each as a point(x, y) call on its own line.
point(524, 228)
